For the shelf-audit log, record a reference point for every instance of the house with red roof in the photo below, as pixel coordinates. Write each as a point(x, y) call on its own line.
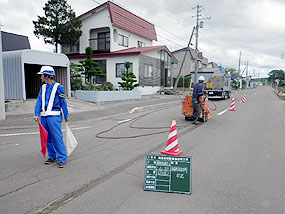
point(116, 36)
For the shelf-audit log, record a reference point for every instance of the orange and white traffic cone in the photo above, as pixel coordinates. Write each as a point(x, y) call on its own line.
point(233, 105)
point(172, 142)
point(243, 99)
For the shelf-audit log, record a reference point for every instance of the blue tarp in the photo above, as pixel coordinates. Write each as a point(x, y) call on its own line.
point(236, 77)
point(223, 70)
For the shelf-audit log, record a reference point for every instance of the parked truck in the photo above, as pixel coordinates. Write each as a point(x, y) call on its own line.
point(218, 87)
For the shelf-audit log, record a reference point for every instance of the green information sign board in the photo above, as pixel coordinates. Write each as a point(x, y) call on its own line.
point(168, 173)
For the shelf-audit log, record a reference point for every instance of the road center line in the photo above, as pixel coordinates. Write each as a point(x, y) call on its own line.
point(222, 112)
point(32, 133)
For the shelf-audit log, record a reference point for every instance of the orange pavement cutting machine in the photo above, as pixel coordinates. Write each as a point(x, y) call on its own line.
point(187, 108)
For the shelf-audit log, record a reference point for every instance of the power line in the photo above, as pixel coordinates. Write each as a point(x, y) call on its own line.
point(170, 40)
point(176, 36)
point(96, 2)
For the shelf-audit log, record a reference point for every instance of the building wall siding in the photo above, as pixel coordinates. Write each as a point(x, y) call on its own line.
point(12, 70)
point(156, 71)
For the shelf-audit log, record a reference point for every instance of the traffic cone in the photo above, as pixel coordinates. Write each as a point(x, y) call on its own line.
point(243, 99)
point(172, 142)
point(233, 105)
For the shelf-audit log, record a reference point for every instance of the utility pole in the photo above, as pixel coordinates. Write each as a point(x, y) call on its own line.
point(188, 50)
point(198, 25)
point(240, 79)
point(247, 75)
point(2, 98)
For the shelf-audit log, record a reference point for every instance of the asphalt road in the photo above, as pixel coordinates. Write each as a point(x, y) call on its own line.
point(238, 162)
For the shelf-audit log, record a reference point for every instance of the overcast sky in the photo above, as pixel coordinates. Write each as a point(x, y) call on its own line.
point(255, 27)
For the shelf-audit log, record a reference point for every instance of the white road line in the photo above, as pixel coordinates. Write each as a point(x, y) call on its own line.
point(257, 93)
point(84, 127)
point(122, 121)
point(17, 134)
point(133, 110)
point(222, 112)
point(32, 133)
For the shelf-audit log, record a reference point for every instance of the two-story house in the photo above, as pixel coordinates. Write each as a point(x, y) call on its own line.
point(189, 63)
point(117, 36)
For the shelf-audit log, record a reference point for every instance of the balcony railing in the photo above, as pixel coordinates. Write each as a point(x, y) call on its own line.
point(100, 44)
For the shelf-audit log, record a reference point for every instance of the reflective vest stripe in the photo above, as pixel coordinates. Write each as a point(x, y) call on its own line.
point(51, 113)
point(43, 96)
point(51, 100)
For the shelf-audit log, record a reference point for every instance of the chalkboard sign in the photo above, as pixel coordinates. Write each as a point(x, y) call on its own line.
point(168, 174)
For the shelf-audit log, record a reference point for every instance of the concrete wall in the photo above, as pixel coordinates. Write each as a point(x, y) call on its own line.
point(105, 96)
point(148, 90)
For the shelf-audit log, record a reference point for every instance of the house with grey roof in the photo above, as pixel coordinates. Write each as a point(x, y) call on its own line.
point(13, 42)
point(189, 63)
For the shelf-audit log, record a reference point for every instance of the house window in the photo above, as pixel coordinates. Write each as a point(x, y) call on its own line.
point(141, 44)
point(104, 41)
point(180, 64)
point(123, 40)
point(147, 71)
point(74, 48)
point(102, 65)
point(120, 68)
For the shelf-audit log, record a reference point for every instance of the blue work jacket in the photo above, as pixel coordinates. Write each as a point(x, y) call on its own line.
point(198, 90)
point(59, 100)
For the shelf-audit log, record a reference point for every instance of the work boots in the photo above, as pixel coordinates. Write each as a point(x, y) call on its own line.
point(50, 161)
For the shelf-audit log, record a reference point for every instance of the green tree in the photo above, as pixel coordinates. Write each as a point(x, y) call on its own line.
point(275, 74)
point(75, 76)
point(59, 25)
point(88, 67)
point(232, 71)
point(128, 78)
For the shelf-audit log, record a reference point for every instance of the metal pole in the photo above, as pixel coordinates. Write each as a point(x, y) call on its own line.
point(2, 98)
point(196, 46)
point(240, 80)
point(179, 73)
point(247, 75)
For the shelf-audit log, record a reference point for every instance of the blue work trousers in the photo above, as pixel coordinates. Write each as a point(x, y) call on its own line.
point(55, 143)
point(196, 107)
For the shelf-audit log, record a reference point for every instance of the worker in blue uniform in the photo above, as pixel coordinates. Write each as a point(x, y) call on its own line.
point(197, 93)
point(50, 101)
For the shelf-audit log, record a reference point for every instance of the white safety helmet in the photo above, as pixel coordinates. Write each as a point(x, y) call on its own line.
point(47, 70)
point(201, 78)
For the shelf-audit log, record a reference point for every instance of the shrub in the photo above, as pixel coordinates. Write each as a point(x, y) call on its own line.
point(128, 78)
point(180, 82)
point(107, 86)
